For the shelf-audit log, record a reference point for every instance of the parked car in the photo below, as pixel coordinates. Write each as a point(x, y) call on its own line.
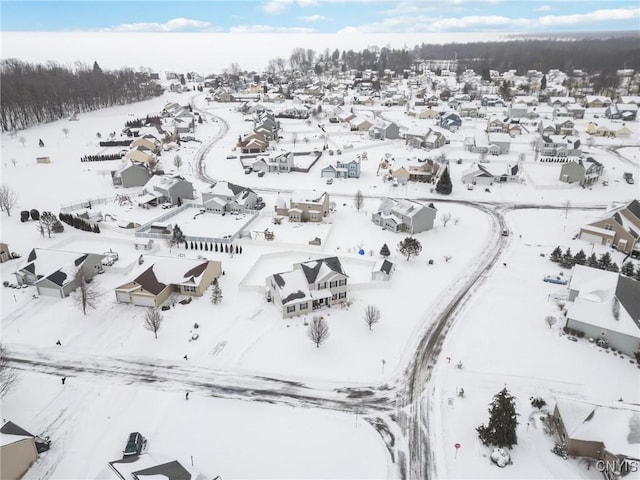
point(329, 181)
point(261, 173)
point(505, 233)
point(555, 279)
point(134, 444)
point(628, 177)
point(247, 171)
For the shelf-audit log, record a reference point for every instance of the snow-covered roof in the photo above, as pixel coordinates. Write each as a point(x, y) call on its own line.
point(615, 424)
point(56, 265)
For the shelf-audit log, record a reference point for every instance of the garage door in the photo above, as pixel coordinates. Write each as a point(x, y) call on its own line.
point(591, 238)
point(123, 297)
point(143, 301)
point(49, 292)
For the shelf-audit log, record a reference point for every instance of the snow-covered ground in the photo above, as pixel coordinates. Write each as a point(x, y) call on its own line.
point(500, 337)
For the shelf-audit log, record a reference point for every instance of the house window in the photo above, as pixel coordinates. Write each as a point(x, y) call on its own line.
point(608, 226)
point(342, 295)
point(334, 296)
point(188, 289)
point(333, 284)
point(291, 309)
point(304, 306)
point(342, 282)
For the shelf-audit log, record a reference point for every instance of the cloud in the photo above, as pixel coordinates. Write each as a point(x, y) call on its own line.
point(313, 18)
point(416, 22)
point(173, 25)
point(591, 17)
point(544, 8)
point(269, 29)
point(278, 6)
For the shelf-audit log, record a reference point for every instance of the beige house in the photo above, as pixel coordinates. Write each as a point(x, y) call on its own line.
point(620, 227)
point(308, 287)
point(17, 452)
point(4, 252)
point(156, 278)
point(304, 206)
point(401, 175)
point(604, 433)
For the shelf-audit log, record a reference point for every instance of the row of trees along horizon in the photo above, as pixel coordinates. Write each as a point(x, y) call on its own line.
point(36, 93)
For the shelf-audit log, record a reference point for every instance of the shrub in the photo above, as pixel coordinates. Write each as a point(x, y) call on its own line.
point(538, 402)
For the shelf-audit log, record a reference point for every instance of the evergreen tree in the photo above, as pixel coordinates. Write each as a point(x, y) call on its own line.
point(627, 269)
point(410, 247)
point(206, 247)
point(592, 261)
point(580, 258)
point(216, 247)
point(444, 183)
point(567, 259)
point(637, 274)
point(556, 255)
point(501, 430)
point(604, 262)
point(241, 249)
point(226, 248)
point(216, 292)
point(200, 245)
point(384, 251)
point(613, 268)
point(237, 249)
point(191, 245)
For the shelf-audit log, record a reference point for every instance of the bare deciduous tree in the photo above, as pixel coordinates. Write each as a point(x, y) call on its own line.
point(358, 200)
point(86, 293)
point(444, 218)
point(550, 320)
point(8, 198)
point(177, 161)
point(318, 331)
point(22, 140)
point(65, 130)
point(14, 161)
point(371, 315)
point(8, 376)
point(153, 320)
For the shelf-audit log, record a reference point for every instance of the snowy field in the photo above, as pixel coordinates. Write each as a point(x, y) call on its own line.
point(500, 337)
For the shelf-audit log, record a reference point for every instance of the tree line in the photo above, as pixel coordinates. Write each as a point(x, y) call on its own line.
point(37, 93)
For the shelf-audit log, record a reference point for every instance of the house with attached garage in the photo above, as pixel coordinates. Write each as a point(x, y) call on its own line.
point(229, 197)
point(52, 272)
point(429, 140)
point(155, 278)
point(19, 450)
point(304, 206)
point(308, 287)
point(605, 433)
point(556, 146)
point(584, 173)
point(605, 306)
point(478, 174)
point(342, 169)
point(166, 189)
point(274, 162)
point(131, 174)
point(384, 130)
point(404, 216)
point(619, 228)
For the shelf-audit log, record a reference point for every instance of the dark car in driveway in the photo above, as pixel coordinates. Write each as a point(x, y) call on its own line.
point(134, 444)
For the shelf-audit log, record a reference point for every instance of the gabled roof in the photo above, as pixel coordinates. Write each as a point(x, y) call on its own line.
point(170, 470)
point(314, 268)
point(11, 428)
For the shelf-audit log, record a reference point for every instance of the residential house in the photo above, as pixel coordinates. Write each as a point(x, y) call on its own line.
point(253, 143)
point(18, 451)
point(492, 100)
point(609, 129)
point(429, 140)
point(147, 143)
point(449, 121)
point(401, 175)
point(266, 124)
point(53, 272)
point(621, 111)
point(131, 174)
point(342, 169)
point(577, 111)
point(478, 174)
point(360, 124)
point(605, 306)
point(308, 287)
point(304, 206)
point(166, 189)
point(154, 279)
point(404, 216)
point(558, 146)
point(424, 171)
point(605, 433)
point(384, 130)
point(5, 254)
point(619, 228)
point(472, 110)
point(426, 114)
point(584, 173)
point(274, 162)
point(501, 142)
point(596, 101)
point(141, 156)
point(229, 197)
point(148, 467)
point(383, 270)
point(518, 110)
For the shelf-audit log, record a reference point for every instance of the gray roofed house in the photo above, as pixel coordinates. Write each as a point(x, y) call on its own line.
point(131, 174)
point(52, 271)
point(304, 206)
point(404, 216)
point(167, 188)
point(606, 306)
point(584, 173)
point(229, 197)
point(308, 287)
point(383, 270)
